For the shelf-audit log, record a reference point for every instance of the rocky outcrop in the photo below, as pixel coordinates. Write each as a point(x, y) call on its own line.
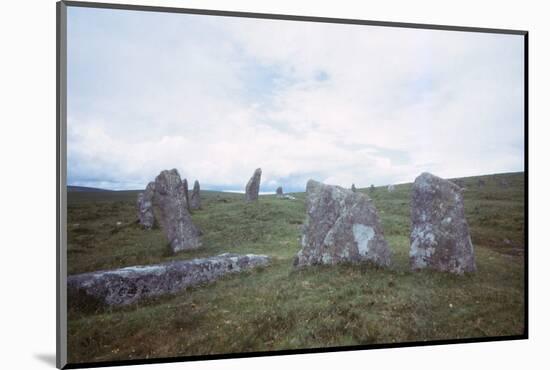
point(131, 284)
point(253, 186)
point(173, 215)
point(440, 238)
point(195, 201)
point(340, 226)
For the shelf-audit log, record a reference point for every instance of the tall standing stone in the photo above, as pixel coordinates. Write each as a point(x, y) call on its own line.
point(195, 201)
point(353, 188)
point(174, 217)
point(185, 188)
point(253, 186)
point(145, 212)
point(440, 238)
point(279, 191)
point(340, 226)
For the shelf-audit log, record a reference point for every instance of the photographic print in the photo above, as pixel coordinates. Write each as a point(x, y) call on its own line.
point(240, 185)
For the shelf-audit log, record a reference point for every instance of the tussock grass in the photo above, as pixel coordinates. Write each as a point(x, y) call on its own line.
point(278, 307)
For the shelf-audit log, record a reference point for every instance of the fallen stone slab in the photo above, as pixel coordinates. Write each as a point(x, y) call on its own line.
point(130, 284)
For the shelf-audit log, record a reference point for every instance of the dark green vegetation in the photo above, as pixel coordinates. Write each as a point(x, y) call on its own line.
point(279, 308)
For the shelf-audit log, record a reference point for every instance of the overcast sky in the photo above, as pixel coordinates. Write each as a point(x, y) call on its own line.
point(217, 97)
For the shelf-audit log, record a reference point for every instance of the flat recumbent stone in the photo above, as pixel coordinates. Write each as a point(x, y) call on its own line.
point(130, 284)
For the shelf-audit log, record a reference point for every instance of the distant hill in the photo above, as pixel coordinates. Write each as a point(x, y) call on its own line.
point(83, 188)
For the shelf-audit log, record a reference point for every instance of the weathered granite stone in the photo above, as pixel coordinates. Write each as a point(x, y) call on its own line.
point(185, 188)
point(440, 238)
point(353, 188)
point(195, 201)
point(253, 186)
point(279, 191)
point(131, 284)
point(391, 188)
point(173, 216)
point(145, 212)
point(340, 226)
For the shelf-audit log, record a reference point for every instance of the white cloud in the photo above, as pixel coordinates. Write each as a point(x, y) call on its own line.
point(217, 97)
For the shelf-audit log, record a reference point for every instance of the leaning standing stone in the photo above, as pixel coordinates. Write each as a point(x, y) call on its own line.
point(340, 226)
point(253, 186)
point(174, 218)
point(145, 215)
point(195, 201)
point(440, 238)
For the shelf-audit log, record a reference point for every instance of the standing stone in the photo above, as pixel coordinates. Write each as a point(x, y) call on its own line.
point(391, 188)
point(480, 183)
point(353, 188)
point(340, 226)
point(174, 217)
point(440, 238)
point(253, 186)
point(185, 188)
point(372, 188)
point(145, 213)
point(279, 191)
point(195, 201)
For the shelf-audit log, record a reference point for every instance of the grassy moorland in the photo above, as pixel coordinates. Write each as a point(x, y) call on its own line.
point(277, 307)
